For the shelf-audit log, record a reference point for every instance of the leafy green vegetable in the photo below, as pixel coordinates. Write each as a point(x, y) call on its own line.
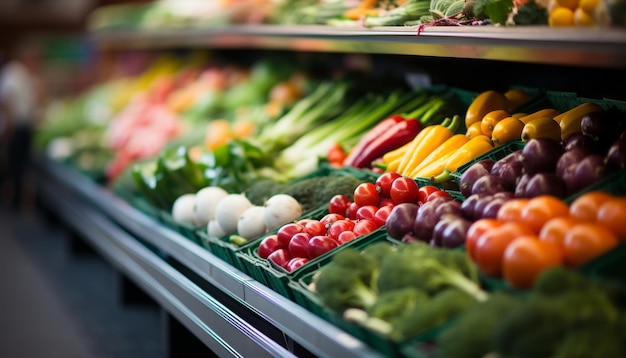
point(496, 10)
point(410, 10)
point(531, 14)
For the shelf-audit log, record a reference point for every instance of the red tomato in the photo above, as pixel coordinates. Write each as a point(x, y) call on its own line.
point(286, 232)
point(280, 257)
point(268, 245)
point(383, 183)
point(314, 227)
point(299, 244)
point(381, 215)
point(340, 226)
point(319, 245)
point(366, 212)
point(490, 246)
point(424, 192)
point(404, 190)
point(477, 228)
point(386, 202)
point(338, 204)
point(346, 236)
point(364, 227)
point(330, 218)
point(438, 194)
point(295, 263)
point(526, 258)
point(352, 209)
point(366, 194)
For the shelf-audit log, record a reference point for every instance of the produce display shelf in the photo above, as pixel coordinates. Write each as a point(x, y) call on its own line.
point(118, 231)
point(588, 47)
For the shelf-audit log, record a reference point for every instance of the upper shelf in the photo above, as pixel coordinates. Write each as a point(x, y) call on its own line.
point(587, 47)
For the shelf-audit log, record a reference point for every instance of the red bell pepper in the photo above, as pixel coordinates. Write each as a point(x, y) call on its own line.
point(388, 135)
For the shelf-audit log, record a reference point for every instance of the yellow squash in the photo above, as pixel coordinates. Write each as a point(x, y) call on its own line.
point(484, 103)
point(490, 119)
point(472, 149)
point(434, 163)
point(570, 121)
point(542, 113)
point(507, 130)
point(541, 128)
point(516, 97)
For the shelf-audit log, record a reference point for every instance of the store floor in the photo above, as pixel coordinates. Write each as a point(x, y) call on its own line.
point(55, 302)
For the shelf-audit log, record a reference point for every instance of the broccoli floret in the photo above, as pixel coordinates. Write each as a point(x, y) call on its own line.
point(459, 260)
point(333, 185)
point(431, 313)
point(346, 282)
point(557, 280)
point(416, 266)
point(392, 305)
point(470, 335)
point(598, 341)
point(304, 192)
point(378, 250)
point(261, 190)
point(538, 325)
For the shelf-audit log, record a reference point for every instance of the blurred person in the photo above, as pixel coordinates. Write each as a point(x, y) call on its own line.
point(21, 100)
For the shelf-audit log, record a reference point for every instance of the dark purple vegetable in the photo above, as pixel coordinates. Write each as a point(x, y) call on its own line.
point(468, 206)
point(580, 141)
point(540, 155)
point(504, 194)
point(401, 220)
point(516, 156)
point(603, 126)
point(545, 184)
point(520, 188)
point(491, 209)
point(429, 214)
point(489, 184)
point(510, 174)
point(590, 170)
point(450, 231)
point(481, 204)
point(616, 154)
point(473, 173)
point(570, 157)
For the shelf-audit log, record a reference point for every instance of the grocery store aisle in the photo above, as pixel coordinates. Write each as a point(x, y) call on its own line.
point(55, 302)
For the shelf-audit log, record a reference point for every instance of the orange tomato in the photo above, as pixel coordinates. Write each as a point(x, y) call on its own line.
point(490, 246)
point(586, 241)
point(336, 155)
point(586, 206)
point(542, 208)
point(612, 215)
point(476, 229)
point(526, 258)
point(555, 229)
point(511, 210)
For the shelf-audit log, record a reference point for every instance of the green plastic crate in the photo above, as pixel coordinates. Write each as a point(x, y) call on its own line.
point(187, 230)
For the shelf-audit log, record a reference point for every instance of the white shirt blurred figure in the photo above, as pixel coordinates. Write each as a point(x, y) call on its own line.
point(21, 98)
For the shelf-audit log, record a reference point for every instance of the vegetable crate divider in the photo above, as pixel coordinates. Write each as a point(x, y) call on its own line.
point(278, 279)
point(415, 347)
point(227, 251)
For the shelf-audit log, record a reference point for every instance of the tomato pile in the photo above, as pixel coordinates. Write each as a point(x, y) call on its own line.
point(298, 242)
point(531, 235)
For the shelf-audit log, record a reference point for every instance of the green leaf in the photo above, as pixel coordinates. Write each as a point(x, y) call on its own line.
point(496, 10)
